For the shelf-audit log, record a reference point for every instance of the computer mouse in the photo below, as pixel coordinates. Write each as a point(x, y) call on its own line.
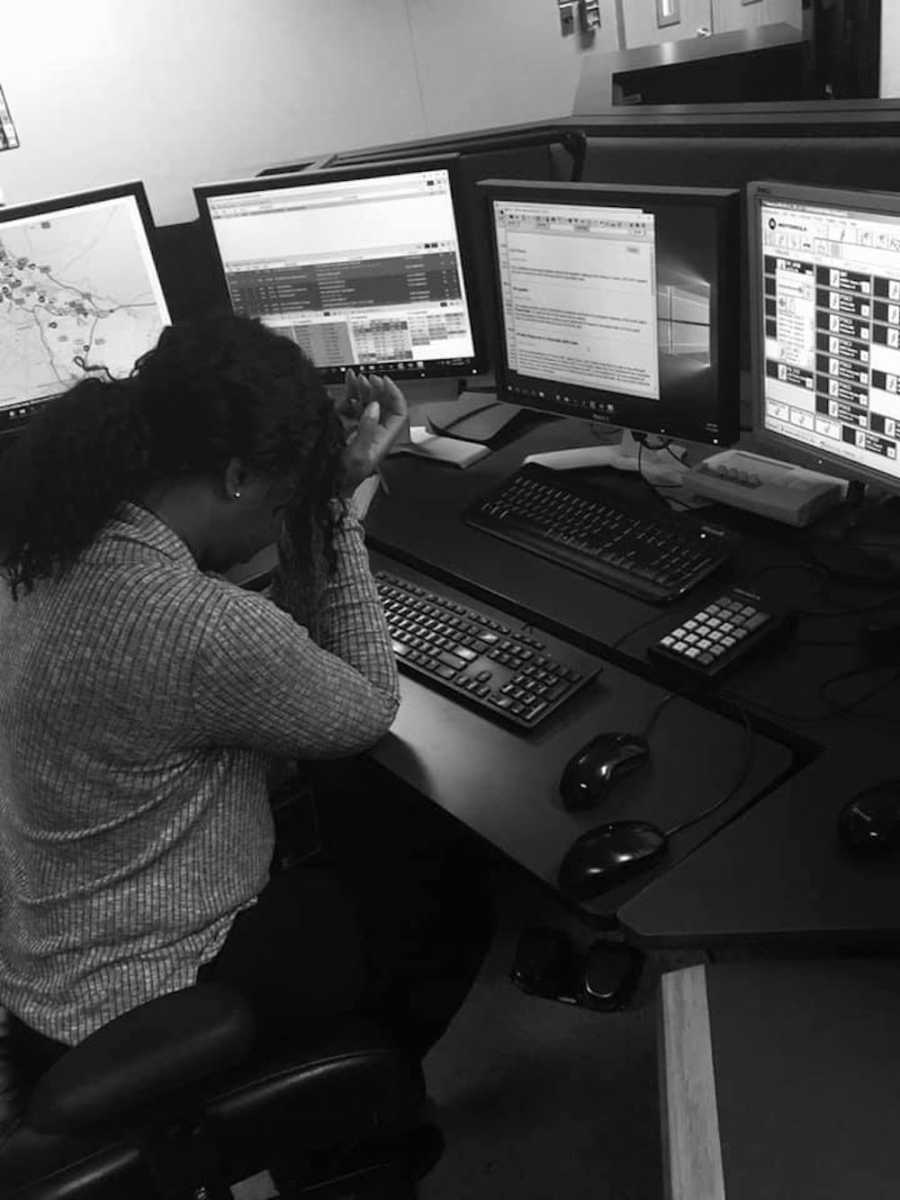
point(590, 774)
point(607, 855)
point(869, 823)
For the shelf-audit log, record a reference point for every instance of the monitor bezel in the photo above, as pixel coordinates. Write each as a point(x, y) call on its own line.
point(478, 363)
point(781, 445)
point(724, 204)
point(10, 424)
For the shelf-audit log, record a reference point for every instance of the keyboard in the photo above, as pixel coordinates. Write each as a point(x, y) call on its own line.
point(511, 676)
point(657, 557)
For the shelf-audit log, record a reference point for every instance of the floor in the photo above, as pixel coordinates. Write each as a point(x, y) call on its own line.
point(540, 1100)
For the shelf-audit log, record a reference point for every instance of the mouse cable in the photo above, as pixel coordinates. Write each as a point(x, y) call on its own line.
point(629, 633)
point(848, 706)
point(855, 610)
point(831, 710)
point(654, 715)
point(739, 781)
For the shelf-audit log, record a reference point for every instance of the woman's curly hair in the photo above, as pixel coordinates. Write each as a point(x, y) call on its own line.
point(221, 388)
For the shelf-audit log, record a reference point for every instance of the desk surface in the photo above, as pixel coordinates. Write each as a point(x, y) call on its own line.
point(779, 1080)
point(777, 871)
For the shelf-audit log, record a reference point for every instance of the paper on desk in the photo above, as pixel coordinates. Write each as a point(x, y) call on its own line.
point(579, 457)
point(442, 449)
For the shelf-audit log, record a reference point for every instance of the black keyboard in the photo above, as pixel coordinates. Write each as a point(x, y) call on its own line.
point(657, 557)
point(510, 676)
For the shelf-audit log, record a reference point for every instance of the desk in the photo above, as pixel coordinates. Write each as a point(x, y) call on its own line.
point(779, 870)
point(779, 1080)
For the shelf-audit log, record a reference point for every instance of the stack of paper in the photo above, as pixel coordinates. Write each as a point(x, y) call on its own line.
point(442, 449)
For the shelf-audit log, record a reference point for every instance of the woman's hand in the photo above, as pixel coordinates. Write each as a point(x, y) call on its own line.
point(373, 412)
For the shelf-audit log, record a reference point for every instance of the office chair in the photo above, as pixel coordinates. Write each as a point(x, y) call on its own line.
point(172, 1100)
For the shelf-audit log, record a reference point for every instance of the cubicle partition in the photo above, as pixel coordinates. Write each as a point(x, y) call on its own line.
point(852, 144)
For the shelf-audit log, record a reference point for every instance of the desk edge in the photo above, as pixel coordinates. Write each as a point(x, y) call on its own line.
point(690, 1124)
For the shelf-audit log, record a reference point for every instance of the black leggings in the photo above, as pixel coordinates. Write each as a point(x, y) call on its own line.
point(390, 918)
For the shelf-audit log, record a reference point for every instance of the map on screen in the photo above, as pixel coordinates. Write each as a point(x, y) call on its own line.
point(79, 294)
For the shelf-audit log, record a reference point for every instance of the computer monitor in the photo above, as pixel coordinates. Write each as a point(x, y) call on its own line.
point(619, 304)
point(364, 267)
point(79, 294)
point(825, 327)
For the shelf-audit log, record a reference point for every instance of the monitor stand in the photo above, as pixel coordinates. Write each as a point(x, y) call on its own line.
point(658, 462)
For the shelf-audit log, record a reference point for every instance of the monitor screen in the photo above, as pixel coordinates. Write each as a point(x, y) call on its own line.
point(363, 267)
point(825, 324)
point(619, 304)
point(79, 294)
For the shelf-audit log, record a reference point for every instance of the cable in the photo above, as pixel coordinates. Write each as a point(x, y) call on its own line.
point(474, 412)
point(739, 781)
point(823, 642)
point(654, 715)
point(811, 568)
point(825, 613)
point(843, 709)
point(657, 616)
point(463, 385)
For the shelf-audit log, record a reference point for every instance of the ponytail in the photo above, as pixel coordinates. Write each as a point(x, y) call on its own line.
point(81, 456)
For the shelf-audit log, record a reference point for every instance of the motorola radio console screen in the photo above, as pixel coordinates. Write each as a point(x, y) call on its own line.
point(361, 272)
point(609, 312)
point(831, 321)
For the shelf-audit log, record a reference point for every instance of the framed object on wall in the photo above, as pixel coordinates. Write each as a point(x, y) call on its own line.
point(9, 139)
point(668, 12)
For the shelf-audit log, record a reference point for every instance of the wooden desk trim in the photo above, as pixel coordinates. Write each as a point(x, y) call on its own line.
point(692, 1151)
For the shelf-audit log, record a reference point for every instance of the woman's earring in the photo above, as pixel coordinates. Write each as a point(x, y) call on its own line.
point(237, 495)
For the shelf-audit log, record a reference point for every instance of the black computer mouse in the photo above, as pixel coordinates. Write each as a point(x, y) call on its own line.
point(869, 823)
point(590, 774)
point(607, 855)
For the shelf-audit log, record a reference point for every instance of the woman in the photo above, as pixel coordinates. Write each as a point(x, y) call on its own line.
point(144, 700)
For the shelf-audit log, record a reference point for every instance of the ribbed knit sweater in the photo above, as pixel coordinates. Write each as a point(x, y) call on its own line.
point(142, 704)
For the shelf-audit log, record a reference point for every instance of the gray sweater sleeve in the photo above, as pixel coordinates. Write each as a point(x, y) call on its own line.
point(262, 680)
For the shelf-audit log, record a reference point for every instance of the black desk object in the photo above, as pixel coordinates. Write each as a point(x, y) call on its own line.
point(779, 1080)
